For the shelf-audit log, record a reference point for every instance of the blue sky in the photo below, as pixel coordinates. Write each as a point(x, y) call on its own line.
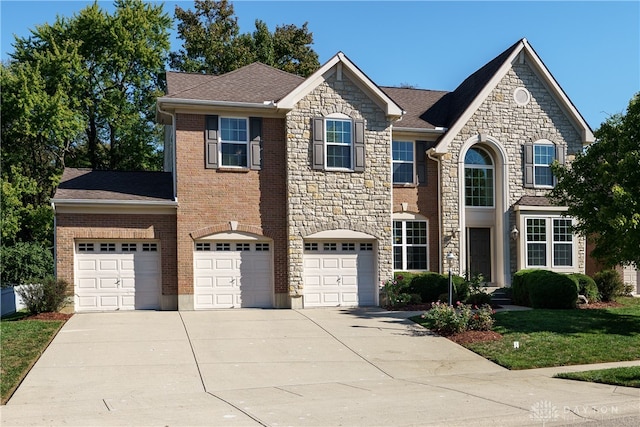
point(591, 47)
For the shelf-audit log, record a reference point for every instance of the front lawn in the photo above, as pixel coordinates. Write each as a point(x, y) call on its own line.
point(627, 376)
point(22, 341)
point(564, 337)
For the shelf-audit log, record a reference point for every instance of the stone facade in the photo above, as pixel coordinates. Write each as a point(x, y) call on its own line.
point(327, 200)
point(510, 125)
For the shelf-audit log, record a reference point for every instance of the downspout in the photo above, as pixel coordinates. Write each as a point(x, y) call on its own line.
point(437, 160)
point(55, 241)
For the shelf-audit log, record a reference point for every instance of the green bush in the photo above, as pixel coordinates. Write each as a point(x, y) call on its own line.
point(461, 288)
point(43, 296)
point(520, 289)
point(586, 286)
point(396, 292)
point(548, 289)
point(403, 277)
point(429, 286)
point(479, 299)
point(609, 284)
point(446, 319)
point(23, 262)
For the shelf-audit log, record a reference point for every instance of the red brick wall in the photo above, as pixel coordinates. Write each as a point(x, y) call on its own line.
point(71, 227)
point(211, 198)
point(423, 200)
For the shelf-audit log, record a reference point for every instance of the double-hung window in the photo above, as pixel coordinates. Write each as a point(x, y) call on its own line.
point(234, 141)
point(410, 245)
point(549, 242)
point(478, 178)
point(403, 162)
point(339, 147)
point(538, 158)
point(338, 144)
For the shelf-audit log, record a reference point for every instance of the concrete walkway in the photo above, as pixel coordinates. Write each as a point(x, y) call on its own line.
point(365, 367)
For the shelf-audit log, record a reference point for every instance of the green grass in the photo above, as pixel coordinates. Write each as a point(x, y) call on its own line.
point(564, 337)
point(21, 344)
point(627, 377)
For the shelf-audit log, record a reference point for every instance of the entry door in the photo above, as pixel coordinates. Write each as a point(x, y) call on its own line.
point(479, 250)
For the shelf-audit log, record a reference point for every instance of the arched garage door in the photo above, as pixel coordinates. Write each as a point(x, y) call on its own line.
point(339, 273)
point(117, 275)
point(232, 274)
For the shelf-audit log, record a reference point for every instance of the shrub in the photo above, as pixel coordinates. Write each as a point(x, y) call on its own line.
point(448, 320)
point(44, 296)
point(24, 262)
point(461, 288)
point(396, 292)
point(586, 286)
point(479, 299)
point(609, 284)
point(481, 318)
point(548, 289)
point(403, 277)
point(429, 286)
point(519, 288)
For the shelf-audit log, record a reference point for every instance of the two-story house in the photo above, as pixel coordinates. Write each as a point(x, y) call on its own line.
point(281, 191)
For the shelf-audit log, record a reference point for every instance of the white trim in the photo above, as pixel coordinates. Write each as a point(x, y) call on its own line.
point(581, 126)
point(414, 172)
point(233, 235)
point(526, 208)
point(340, 233)
point(549, 243)
point(174, 102)
point(387, 104)
point(404, 245)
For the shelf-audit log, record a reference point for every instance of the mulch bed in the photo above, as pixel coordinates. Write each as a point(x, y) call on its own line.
point(469, 337)
point(598, 305)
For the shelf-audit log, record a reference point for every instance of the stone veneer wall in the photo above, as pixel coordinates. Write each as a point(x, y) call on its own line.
point(319, 200)
point(512, 125)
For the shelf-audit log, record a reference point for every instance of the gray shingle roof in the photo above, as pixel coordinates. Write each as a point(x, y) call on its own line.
point(534, 201)
point(416, 103)
point(254, 83)
point(87, 184)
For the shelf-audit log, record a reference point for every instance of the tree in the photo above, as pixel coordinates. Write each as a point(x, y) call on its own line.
point(213, 43)
point(601, 188)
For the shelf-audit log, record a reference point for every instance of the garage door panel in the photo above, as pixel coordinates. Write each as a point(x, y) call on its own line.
point(204, 282)
point(118, 277)
point(350, 297)
point(240, 278)
point(330, 262)
point(349, 262)
point(311, 263)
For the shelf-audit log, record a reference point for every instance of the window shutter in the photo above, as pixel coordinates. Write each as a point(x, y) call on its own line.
point(358, 144)
point(317, 161)
point(528, 166)
point(211, 142)
point(421, 161)
point(255, 142)
point(560, 153)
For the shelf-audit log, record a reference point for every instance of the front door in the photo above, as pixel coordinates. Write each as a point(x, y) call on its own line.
point(479, 250)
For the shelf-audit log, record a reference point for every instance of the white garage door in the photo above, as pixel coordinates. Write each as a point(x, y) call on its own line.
point(117, 275)
point(632, 277)
point(232, 275)
point(339, 274)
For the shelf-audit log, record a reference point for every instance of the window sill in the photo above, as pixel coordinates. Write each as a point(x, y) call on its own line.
point(233, 170)
point(407, 185)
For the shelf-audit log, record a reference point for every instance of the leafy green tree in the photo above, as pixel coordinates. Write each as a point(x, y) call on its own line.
point(601, 188)
point(212, 42)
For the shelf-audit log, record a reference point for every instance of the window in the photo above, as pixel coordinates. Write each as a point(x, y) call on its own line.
point(538, 158)
point(330, 247)
point(403, 162)
point(107, 247)
point(366, 246)
point(410, 245)
point(543, 156)
point(549, 239)
point(85, 247)
point(149, 247)
point(234, 141)
point(262, 247)
point(478, 178)
point(310, 246)
point(223, 247)
point(338, 137)
point(348, 247)
point(129, 247)
point(203, 247)
point(243, 247)
point(338, 144)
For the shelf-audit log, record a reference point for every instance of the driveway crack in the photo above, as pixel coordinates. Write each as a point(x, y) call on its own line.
point(193, 352)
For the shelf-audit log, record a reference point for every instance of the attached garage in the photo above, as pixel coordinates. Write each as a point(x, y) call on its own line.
point(339, 273)
point(232, 274)
point(631, 276)
point(117, 275)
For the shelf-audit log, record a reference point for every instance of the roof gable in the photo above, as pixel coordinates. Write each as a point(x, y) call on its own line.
point(457, 107)
point(339, 63)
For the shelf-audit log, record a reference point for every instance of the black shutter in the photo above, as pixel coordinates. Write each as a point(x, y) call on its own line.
point(529, 181)
point(421, 161)
point(317, 161)
point(358, 145)
point(255, 143)
point(211, 142)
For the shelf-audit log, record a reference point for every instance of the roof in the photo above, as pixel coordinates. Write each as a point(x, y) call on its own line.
point(87, 184)
point(534, 201)
point(417, 104)
point(254, 83)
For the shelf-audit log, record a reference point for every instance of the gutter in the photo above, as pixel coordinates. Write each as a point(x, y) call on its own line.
point(267, 105)
point(436, 131)
point(111, 202)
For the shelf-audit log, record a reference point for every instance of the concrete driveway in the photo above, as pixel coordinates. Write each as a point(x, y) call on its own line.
point(284, 367)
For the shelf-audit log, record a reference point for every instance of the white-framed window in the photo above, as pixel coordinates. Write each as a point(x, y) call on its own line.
point(403, 162)
point(234, 141)
point(478, 178)
point(339, 147)
point(543, 157)
point(549, 242)
point(410, 247)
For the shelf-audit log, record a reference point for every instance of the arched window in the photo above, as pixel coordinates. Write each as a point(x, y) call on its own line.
point(478, 178)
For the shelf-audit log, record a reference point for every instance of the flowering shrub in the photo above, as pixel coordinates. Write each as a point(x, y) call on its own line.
point(447, 320)
point(395, 291)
